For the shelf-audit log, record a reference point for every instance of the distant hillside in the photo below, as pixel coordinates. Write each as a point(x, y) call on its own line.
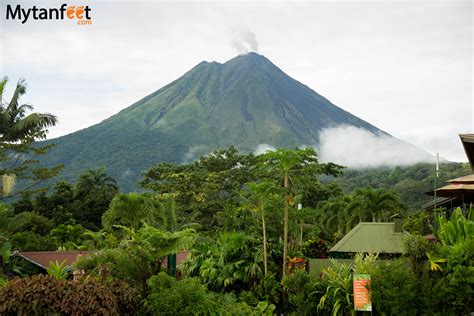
point(244, 102)
point(409, 182)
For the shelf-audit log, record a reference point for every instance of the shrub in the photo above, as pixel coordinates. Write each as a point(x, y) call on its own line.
point(43, 295)
point(298, 286)
point(228, 305)
point(316, 248)
point(170, 297)
point(338, 297)
point(394, 288)
point(268, 289)
point(416, 247)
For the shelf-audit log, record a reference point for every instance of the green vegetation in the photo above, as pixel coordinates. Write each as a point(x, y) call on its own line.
point(58, 270)
point(408, 182)
point(228, 210)
point(18, 130)
point(239, 217)
point(45, 295)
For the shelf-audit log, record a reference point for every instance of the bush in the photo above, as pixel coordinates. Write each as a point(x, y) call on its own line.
point(316, 248)
point(416, 247)
point(268, 289)
point(298, 286)
point(43, 295)
point(450, 294)
point(170, 297)
point(228, 305)
point(394, 288)
point(190, 297)
point(337, 297)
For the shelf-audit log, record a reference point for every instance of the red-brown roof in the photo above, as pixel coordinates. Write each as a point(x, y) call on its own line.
point(43, 258)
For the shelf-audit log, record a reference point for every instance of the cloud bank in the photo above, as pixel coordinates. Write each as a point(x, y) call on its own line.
point(359, 148)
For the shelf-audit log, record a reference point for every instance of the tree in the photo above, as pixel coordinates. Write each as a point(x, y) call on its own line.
point(130, 210)
point(96, 180)
point(257, 196)
point(93, 194)
point(168, 221)
point(68, 236)
point(230, 263)
point(140, 253)
point(375, 205)
point(209, 186)
point(15, 125)
point(18, 130)
point(292, 168)
point(333, 217)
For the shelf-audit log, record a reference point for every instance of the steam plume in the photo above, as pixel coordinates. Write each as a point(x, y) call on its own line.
point(245, 42)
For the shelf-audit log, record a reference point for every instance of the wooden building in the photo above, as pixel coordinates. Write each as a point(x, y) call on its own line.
point(458, 192)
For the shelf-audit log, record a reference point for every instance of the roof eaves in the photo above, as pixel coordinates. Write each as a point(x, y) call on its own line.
point(18, 253)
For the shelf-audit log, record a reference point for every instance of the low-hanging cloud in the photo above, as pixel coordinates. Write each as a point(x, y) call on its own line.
point(359, 148)
point(195, 152)
point(263, 148)
point(245, 42)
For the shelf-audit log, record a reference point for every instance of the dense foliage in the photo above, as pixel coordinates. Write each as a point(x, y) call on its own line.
point(409, 182)
point(19, 159)
point(44, 295)
point(249, 225)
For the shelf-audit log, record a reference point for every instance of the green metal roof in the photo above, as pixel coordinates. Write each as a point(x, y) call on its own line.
point(371, 237)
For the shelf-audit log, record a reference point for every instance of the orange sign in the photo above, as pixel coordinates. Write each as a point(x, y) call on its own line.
point(362, 301)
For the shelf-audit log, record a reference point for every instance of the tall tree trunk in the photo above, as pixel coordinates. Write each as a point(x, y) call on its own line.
point(285, 231)
point(264, 241)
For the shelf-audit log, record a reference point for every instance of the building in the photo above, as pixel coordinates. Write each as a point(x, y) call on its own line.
point(383, 238)
point(42, 259)
point(457, 192)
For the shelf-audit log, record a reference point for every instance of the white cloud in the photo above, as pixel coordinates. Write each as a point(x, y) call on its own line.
point(263, 148)
point(356, 147)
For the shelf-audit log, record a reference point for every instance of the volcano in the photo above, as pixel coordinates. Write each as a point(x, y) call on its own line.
point(244, 102)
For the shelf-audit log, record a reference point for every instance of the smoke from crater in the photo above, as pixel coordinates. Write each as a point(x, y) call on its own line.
point(245, 42)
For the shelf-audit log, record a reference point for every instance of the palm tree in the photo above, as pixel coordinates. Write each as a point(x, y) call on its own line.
point(228, 263)
point(95, 180)
point(15, 125)
point(17, 129)
point(168, 221)
point(334, 217)
point(374, 205)
point(148, 245)
point(293, 168)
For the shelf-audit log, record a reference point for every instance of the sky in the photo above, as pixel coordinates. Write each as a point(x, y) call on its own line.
point(403, 66)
